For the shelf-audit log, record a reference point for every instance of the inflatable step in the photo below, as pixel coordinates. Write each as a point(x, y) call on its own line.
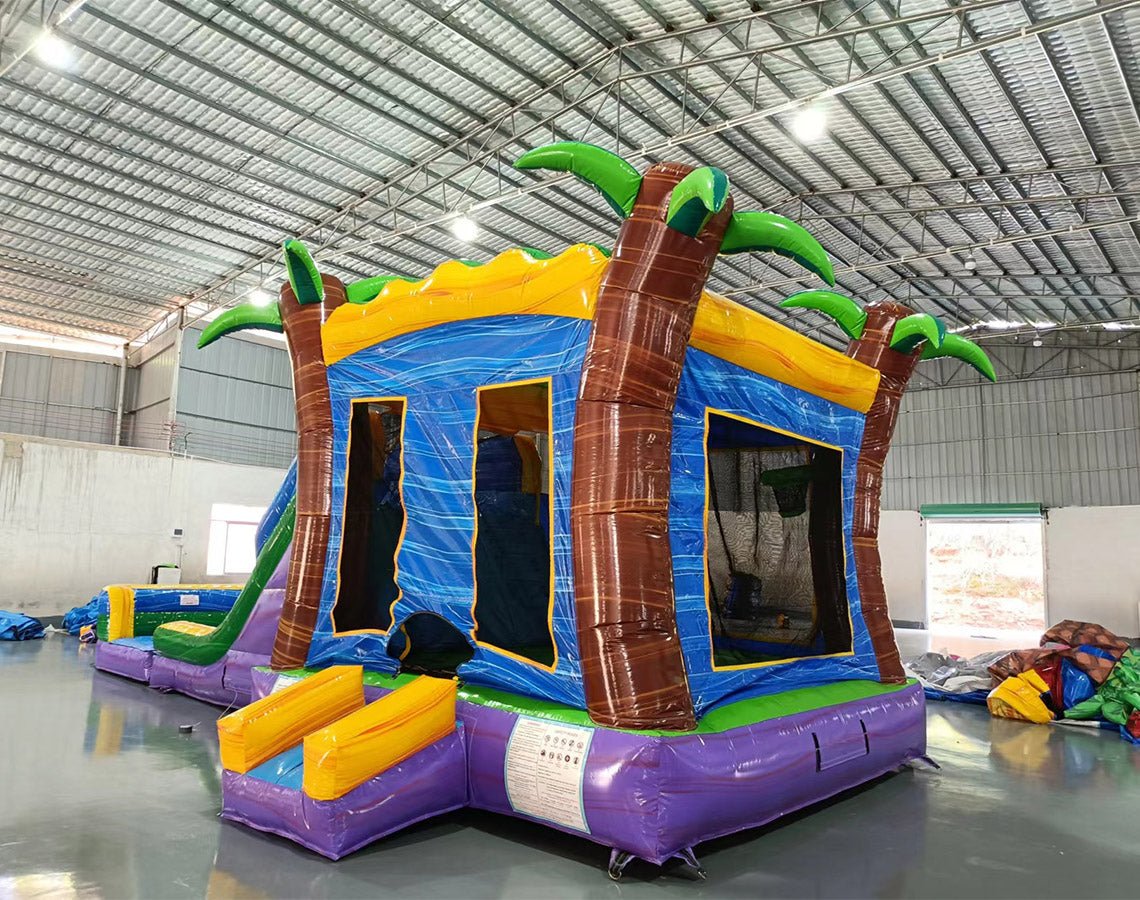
point(315, 764)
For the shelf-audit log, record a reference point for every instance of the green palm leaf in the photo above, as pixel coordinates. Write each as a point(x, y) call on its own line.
point(846, 313)
point(967, 351)
point(695, 198)
point(241, 318)
point(908, 333)
point(768, 232)
point(303, 275)
point(616, 179)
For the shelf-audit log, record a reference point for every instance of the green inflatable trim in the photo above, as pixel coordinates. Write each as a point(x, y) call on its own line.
point(723, 718)
point(205, 649)
point(147, 622)
point(367, 289)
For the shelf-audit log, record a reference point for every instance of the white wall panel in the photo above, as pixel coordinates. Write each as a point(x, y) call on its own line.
point(75, 517)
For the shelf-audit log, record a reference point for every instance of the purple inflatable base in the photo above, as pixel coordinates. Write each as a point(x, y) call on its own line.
point(658, 797)
point(224, 683)
point(430, 783)
point(228, 682)
point(125, 660)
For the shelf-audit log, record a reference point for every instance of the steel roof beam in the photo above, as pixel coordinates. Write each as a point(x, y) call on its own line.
point(843, 145)
point(913, 44)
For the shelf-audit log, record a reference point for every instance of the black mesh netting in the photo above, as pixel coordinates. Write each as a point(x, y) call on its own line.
point(770, 563)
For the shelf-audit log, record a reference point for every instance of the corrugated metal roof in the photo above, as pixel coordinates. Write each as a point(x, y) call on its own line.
point(187, 138)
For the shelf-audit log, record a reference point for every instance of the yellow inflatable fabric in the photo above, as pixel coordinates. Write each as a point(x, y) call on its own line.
point(121, 612)
point(515, 283)
point(273, 724)
point(1019, 697)
point(383, 734)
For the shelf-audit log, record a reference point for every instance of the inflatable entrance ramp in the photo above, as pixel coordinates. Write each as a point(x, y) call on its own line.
point(317, 764)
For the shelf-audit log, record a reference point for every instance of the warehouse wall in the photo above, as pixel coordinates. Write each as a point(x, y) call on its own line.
point(74, 517)
point(235, 401)
point(150, 384)
point(56, 394)
point(1070, 443)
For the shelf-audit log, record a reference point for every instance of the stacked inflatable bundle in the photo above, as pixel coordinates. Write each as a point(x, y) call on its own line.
point(315, 764)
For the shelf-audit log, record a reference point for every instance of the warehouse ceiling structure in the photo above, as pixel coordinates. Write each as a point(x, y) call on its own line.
point(977, 160)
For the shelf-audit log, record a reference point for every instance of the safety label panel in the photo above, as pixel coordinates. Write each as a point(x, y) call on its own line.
point(544, 771)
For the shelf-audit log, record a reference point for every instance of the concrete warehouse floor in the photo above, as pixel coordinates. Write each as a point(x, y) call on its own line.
point(101, 796)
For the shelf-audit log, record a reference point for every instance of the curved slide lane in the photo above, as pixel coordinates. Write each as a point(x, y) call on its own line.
point(203, 645)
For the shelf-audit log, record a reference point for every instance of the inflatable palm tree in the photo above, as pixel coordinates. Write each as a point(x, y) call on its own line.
point(892, 338)
point(676, 221)
point(305, 302)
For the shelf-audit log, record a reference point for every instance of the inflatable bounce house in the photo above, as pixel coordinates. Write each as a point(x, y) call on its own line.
point(577, 541)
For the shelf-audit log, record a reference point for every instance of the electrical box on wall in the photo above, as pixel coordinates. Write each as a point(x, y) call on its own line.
point(165, 574)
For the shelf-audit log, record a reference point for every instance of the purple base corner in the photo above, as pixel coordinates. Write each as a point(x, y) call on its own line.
point(430, 783)
point(125, 660)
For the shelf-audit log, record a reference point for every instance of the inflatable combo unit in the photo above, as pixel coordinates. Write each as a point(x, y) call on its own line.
point(580, 542)
point(202, 640)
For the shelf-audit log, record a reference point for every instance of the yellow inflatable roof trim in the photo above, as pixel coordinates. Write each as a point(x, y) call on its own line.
point(515, 283)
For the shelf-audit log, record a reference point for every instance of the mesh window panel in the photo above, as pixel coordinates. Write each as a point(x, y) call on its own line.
point(774, 545)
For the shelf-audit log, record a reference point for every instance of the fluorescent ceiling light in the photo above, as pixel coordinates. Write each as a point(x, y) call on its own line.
point(104, 345)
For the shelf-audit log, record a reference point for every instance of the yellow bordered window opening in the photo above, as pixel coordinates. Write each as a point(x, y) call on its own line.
point(775, 565)
point(374, 519)
point(512, 481)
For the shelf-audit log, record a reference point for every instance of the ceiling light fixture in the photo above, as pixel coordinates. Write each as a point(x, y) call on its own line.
point(260, 297)
point(465, 229)
point(53, 51)
point(970, 264)
point(809, 124)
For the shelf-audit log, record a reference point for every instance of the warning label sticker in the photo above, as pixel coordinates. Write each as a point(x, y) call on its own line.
point(283, 681)
point(188, 599)
point(544, 770)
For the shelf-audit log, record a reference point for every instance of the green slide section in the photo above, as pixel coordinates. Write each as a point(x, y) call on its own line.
point(147, 622)
point(205, 649)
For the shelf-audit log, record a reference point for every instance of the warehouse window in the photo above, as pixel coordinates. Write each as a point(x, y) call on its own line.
point(514, 585)
point(774, 550)
point(373, 524)
point(985, 575)
point(231, 548)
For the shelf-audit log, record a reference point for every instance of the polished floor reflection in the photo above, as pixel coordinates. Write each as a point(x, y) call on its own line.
point(103, 797)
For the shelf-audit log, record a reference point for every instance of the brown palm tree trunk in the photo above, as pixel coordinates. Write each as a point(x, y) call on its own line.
point(632, 667)
point(895, 368)
point(302, 325)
